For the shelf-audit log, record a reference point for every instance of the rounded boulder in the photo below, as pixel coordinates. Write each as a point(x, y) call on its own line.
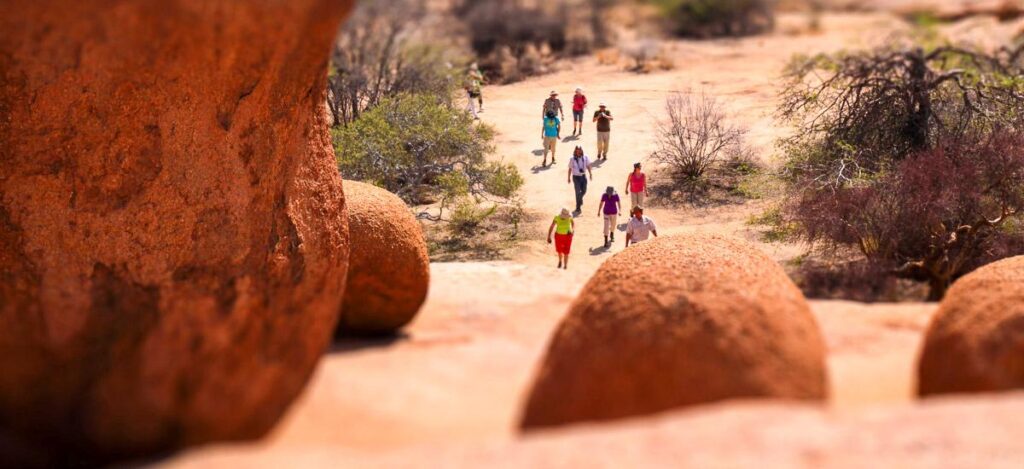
point(676, 322)
point(975, 342)
point(389, 268)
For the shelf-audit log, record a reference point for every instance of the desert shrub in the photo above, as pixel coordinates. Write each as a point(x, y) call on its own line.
point(379, 52)
point(718, 18)
point(696, 136)
point(423, 150)
point(648, 55)
point(508, 37)
point(514, 39)
point(852, 280)
point(911, 157)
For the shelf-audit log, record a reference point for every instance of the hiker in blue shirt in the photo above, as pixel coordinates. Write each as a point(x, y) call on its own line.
point(552, 127)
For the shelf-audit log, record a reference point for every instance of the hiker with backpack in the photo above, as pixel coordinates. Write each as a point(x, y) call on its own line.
point(579, 105)
point(553, 105)
point(476, 83)
point(563, 227)
point(579, 166)
point(603, 118)
point(610, 207)
point(549, 135)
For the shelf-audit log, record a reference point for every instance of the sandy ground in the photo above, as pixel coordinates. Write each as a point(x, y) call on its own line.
point(448, 392)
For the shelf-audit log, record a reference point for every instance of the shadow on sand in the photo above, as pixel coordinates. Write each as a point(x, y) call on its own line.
point(350, 343)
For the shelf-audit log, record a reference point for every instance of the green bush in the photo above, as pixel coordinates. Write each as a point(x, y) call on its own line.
point(422, 149)
point(718, 18)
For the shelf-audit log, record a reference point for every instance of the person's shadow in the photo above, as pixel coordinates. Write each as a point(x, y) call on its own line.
point(571, 138)
point(537, 169)
point(538, 152)
point(597, 164)
point(600, 250)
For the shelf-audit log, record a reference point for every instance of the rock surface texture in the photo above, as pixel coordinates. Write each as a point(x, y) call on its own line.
point(173, 240)
point(975, 343)
point(675, 322)
point(389, 268)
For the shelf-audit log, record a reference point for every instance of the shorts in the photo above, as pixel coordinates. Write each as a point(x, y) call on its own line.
point(563, 243)
point(550, 142)
point(637, 199)
point(577, 116)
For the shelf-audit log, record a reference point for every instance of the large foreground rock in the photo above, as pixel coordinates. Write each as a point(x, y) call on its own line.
point(976, 340)
point(675, 322)
point(173, 244)
point(389, 271)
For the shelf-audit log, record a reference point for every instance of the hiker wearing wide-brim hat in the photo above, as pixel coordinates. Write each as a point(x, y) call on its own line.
point(603, 118)
point(563, 227)
point(553, 104)
point(640, 228)
point(610, 208)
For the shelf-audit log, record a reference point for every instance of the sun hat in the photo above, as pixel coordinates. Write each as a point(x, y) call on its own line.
point(554, 93)
point(579, 89)
point(610, 190)
point(603, 104)
point(565, 213)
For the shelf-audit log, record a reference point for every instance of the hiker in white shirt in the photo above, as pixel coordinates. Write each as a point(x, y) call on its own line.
point(579, 167)
point(639, 228)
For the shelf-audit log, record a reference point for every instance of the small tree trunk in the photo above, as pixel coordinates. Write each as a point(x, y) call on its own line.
point(921, 103)
point(938, 286)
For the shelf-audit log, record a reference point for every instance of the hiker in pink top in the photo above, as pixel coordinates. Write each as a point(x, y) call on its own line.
point(579, 104)
point(636, 187)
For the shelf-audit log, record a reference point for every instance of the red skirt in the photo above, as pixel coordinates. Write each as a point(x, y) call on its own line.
point(563, 243)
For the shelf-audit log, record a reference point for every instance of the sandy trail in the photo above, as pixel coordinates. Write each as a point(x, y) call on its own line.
point(743, 74)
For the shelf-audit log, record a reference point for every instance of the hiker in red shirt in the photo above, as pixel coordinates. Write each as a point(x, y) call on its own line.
point(579, 104)
point(636, 187)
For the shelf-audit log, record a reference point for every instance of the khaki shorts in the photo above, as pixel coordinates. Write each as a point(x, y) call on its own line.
point(550, 142)
point(637, 199)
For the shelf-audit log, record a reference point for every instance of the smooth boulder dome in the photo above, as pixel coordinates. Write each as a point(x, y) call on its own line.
point(389, 269)
point(173, 239)
point(975, 342)
point(674, 322)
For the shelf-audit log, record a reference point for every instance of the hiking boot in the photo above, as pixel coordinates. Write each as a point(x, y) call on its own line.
point(606, 242)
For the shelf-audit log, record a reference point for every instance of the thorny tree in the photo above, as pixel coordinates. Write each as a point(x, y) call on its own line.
point(377, 54)
point(696, 135)
point(911, 156)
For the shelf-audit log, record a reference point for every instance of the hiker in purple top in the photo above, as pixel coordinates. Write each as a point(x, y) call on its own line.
point(610, 207)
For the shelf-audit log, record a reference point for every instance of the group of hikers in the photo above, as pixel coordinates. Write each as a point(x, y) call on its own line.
point(553, 114)
point(639, 228)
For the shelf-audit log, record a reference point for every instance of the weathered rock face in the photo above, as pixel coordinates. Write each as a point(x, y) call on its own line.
point(975, 343)
point(173, 245)
point(389, 269)
point(674, 322)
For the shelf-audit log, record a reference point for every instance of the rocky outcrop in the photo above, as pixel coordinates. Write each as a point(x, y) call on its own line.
point(975, 343)
point(389, 269)
point(173, 241)
point(675, 322)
